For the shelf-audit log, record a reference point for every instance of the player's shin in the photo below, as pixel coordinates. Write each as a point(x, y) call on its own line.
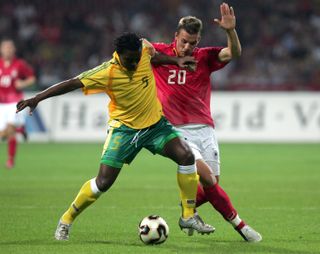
point(220, 201)
point(201, 196)
point(12, 149)
point(88, 194)
point(187, 181)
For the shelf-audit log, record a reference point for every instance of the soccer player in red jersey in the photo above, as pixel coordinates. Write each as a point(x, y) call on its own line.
point(15, 75)
point(185, 96)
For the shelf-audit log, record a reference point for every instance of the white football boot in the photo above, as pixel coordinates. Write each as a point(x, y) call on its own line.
point(62, 231)
point(249, 234)
point(195, 223)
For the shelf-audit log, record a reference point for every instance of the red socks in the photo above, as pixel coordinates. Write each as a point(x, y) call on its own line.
point(12, 148)
point(218, 199)
point(201, 196)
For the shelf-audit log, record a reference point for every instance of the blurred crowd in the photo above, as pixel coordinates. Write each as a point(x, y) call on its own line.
point(60, 39)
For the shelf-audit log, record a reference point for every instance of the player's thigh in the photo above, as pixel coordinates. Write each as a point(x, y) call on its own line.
point(210, 151)
point(190, 135)
point(119, 148)
point(159, 135)
point(11, 116)
point(3, 116)
point(8, 118)
point(202, 139)
point(20, 119)
point(166, 141)
point(179, 151)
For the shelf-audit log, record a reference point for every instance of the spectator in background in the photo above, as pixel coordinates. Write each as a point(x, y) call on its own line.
point(282, 32)
point(15, 75)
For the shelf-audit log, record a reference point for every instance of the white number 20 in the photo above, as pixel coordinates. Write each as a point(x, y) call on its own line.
point(177, 77)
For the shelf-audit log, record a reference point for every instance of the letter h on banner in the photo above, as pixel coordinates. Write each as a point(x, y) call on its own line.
point(74, 115)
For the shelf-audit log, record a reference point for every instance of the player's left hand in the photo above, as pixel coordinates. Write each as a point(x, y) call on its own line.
point(19, 84)
point(228, 19)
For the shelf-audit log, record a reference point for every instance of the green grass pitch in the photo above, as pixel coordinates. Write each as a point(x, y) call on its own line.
point(274, 187)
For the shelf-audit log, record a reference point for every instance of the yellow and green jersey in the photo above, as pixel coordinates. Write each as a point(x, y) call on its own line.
point(133, 95)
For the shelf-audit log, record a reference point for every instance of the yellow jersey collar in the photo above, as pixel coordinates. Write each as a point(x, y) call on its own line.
point(117, 60)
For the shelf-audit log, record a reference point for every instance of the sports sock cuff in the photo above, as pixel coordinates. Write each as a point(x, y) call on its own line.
point(236, 221)
point(186, 170)
point(94, 186)
point(240, 226)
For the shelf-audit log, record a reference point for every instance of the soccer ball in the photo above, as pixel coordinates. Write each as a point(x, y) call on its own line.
point(153, 230)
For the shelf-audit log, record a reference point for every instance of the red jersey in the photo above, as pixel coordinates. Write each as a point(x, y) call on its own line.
point(185, 95)
point(18, 69)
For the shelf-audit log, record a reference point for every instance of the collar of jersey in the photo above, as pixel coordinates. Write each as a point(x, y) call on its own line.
point(173, 44)
point(10, 62)
point(117, 60)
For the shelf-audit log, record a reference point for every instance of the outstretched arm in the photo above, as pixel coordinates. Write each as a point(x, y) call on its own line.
point(57, 89)
point(159, 58)
point(228, 23)
point(182, 62)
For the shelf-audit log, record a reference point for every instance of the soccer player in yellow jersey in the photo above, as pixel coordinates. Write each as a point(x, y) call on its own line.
point(136, 122)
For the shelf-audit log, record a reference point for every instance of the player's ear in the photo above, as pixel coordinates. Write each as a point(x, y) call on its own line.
point(199, 38)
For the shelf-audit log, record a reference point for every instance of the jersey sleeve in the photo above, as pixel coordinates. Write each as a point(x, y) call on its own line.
point(212, 54)
point(95, 80)
point(26, 70)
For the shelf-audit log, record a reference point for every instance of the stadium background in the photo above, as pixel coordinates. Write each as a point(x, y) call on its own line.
point(270, 94)
point(280, 39)
point(281, 52)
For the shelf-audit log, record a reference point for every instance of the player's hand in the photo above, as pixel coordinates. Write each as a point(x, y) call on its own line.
point(188, 62)
point(31, 103)
point(19, 84)
point(228, 19)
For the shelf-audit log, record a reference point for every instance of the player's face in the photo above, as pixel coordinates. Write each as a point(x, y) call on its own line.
point(7, 49)
point(130, 59)
point(185, 42)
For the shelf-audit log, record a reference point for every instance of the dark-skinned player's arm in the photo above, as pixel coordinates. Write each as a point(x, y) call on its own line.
point(57, 89)
point(159, 58)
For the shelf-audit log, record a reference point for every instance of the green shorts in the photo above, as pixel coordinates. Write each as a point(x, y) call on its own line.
point(124, 143)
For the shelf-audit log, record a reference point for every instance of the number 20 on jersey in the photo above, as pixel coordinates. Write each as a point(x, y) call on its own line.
point(177, 77)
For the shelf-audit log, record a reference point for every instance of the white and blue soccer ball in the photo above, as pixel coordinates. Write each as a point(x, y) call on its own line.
point(153, 230)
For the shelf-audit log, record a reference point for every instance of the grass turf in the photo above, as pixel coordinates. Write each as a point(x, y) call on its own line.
point(275, 188)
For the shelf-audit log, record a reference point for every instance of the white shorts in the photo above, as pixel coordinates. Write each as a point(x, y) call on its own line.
point(8, 115)
point(204, 144)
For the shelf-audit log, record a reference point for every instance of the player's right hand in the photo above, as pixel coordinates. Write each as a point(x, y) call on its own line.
point(31, 103)
point(187, 62)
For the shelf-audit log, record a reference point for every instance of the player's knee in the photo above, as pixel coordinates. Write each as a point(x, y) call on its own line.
point(186, 158)
point(10, 131)
point(103, 183)
point(208, 180)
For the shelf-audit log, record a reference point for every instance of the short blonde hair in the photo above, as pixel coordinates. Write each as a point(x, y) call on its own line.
point(191, 24)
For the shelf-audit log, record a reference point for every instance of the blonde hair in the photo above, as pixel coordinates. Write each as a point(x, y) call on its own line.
point(191, 24)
